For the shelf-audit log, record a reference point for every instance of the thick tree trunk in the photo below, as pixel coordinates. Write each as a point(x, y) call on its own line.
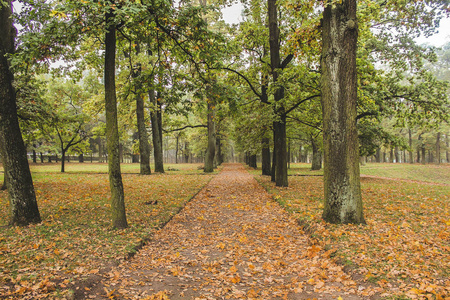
point(252, 161)
point(343, 203)
point(274, 158)
point(81, 158)
point(211, 148)
point(119, 219)
point(378, 155)
point(281, 178)
point(396, 155)
point(186, 152)
point(265, 156)
point(22, 197)
point(157, 142)
point(316, 155)
point(144, 145)
point(438, 148)
point(5, 173)
point(219, 155)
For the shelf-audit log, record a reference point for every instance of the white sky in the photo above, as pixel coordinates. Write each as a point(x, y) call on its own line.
point(440, 38)
point(232, 15)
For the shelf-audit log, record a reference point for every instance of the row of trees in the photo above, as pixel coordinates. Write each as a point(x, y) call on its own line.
point(328, 73)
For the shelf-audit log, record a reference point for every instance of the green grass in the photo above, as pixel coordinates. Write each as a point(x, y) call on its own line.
point(428, 173)
point(417, 172)
point(75, 239)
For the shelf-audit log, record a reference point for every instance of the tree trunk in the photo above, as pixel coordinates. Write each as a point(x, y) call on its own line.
point(411, 155)
point(219, 155)
point(211, 148)
point(316, 155)
point(186, 152)
point(289, 154)
point(274, 157)
point(22, 197)
point(144, 145)
point(34, 156)
point(63, 160)
point(396, 155)
point(281, 178)
point(438, 148)
point(378, 155)
point(41, 155)
point(100, 150)
point(265, 156)
point(343, 203)
point(391, 154)
point(5, 173)
point(81, 158)
point(157, 142)
point(252, 161)
point(447, 144)
point(119, 219)
point(424, 152)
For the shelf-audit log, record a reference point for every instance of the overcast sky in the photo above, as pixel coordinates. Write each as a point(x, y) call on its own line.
point(233, 15)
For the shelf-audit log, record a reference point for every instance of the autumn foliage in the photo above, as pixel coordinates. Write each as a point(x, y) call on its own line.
point(404, 249)
point(75, 239)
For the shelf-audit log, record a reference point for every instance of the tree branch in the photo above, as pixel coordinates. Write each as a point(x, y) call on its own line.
point(300, 102)
point(185, 127)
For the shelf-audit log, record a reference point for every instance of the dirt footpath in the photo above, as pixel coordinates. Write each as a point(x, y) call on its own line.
point(232, 241)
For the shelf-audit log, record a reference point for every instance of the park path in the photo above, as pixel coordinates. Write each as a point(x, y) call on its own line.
point(232, 241)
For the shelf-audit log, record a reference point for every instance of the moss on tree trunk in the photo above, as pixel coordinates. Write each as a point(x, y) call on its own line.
point(22, 198)
point(343, 203)
point(119, 219)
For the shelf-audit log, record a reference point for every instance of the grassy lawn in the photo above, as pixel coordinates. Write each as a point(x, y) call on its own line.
point(417, 172)
point(75, 239)
point(405, 246)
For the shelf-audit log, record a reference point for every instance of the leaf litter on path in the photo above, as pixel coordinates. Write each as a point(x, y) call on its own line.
point(232, 241)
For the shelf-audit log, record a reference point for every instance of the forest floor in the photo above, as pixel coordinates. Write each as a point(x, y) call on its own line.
point(232, 241)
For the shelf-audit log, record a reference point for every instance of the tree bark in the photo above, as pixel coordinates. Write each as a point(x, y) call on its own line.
point(316, 155)
point(22, 197)
point(157, 142)
point(265, 156)
point(411, 156)
point(447, 152)
point(63, 160)
point(5, 173)
point(211, 148)
point(274, 158)
point(219, 155)
point(438, 148)
point(144, 145)
point(119, 219)
point(186, 152)
point(343, 202)
point(252, 161)
point(281, 178)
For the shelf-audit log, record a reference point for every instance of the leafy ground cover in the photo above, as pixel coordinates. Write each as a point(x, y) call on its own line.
point(75, 239)
point(405, 246)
